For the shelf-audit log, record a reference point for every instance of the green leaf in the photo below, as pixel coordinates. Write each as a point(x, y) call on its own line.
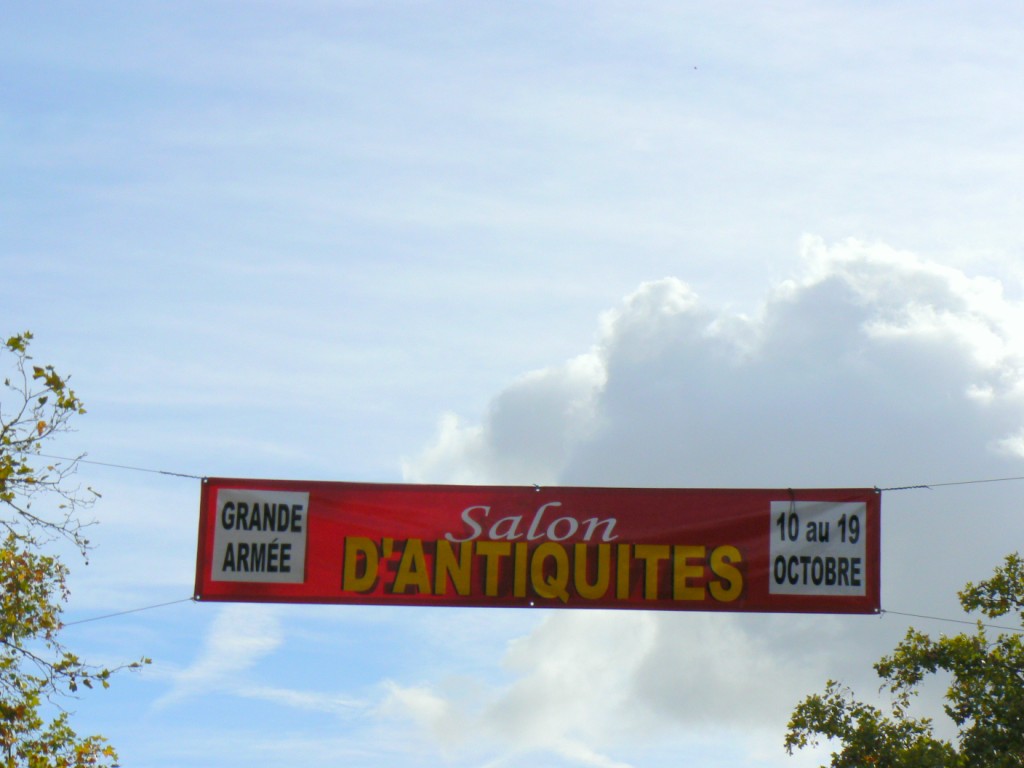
point(984, 697)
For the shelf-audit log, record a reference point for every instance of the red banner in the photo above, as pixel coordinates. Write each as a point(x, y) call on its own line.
point(643, 548)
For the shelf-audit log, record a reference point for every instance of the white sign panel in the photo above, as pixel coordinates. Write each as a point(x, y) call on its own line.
point(818, 548)
point(260, 536)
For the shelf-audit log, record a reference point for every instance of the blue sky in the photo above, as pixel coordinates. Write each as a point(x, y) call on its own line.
point(668, 244)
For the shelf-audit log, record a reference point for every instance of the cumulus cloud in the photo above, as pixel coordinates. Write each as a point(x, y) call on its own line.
point(529, 433)
point(868, 337)
point(872, 367)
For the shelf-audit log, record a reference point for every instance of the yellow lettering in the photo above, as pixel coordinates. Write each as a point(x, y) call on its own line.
point(351, 579)
point(553, 586)
point(651, 554)
point(519, 570)
point(622, 572)
point(585, 589)
point(722, 559)
point(492, 552)
point(412, 570)
point(682, 572)
point(447, 567)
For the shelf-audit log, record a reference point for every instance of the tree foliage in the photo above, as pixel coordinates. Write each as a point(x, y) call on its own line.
point(39, 503)
point(984, 698)
point(37, 404)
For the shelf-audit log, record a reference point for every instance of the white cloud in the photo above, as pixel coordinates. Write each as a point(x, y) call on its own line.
point(307, 700)
point(429, 710)
point(238, 642)
point(239, 637)
point(529, 433)
point(866, 336)
point(872, 367)
point(558, 693)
